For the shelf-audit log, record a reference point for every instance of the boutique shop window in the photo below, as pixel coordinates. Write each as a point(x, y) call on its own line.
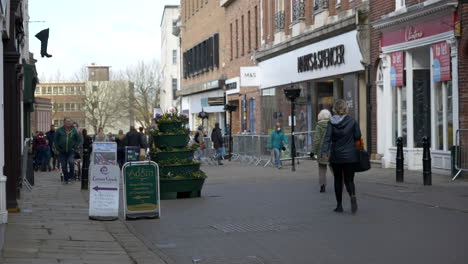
point(443, 115)
point(399, 120)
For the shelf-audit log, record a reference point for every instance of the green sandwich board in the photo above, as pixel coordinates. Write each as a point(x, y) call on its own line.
point(141, 189)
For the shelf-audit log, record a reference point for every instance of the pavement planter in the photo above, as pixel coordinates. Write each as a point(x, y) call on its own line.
point(141, 190)
point(180, 176)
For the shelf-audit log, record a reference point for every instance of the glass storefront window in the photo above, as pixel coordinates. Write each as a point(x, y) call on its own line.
point(421, 106)
point(449, 115)
point(395, 115)
point(399, 115)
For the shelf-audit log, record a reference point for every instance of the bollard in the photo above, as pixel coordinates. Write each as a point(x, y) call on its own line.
point(85, 170)
point(399, 160)
point(427, 175)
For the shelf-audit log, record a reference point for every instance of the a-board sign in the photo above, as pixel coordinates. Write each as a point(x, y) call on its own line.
point(132, 154)
point(104, 183)
point(141, 189)
point(104, 153)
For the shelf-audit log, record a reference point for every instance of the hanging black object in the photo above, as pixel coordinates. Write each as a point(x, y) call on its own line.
point(43, 36)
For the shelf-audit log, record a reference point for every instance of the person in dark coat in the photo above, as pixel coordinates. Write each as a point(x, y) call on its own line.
point(53, 153)
point(120, 148)
point(339, 141)
point(133, 139)
point(217, 138)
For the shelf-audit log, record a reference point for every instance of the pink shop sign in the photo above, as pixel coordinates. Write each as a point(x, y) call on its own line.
point(420, 30)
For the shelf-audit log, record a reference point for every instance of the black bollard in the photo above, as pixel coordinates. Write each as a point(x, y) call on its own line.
point(85, 170)
point(399, 160)
point(427, 174)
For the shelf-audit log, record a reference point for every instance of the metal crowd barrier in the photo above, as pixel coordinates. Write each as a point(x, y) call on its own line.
point(255, 149)
point(461, 152)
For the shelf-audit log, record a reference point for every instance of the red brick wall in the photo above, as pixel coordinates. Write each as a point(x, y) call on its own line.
point(463, 66)
point(378, 8)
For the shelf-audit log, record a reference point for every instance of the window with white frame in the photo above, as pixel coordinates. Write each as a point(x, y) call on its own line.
point(399, 120)
point(174, 56)
point(444, 115)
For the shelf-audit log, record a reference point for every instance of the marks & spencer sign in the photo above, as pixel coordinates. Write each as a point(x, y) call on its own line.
point(321, 59)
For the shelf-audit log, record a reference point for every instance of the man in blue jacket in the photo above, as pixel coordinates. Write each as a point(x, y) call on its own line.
point(277, 141)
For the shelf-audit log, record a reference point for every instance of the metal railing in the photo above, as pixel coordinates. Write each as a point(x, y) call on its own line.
point(24, 165)
point(461, 152)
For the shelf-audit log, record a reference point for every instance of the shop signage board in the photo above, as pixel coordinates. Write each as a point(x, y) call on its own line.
point(334, 56)
point(104, 192)
point(397, 69)
point(441, 62)
point(104, 153)
point(141, 189)
point(408, 33)
point(250, 76)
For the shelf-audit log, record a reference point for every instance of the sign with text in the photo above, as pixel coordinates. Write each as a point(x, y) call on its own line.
point(397, 69)
point(141, 189)
point(104, 192)
point(415, 31)
point(104, 153)
point(250, 76)
point(441, 62)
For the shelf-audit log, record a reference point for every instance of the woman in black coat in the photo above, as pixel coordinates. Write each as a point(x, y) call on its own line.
point(339, 141)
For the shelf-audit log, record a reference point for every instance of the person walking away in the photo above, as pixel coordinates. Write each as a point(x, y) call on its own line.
point(120, 148)
point(133, 139)
point(199, 142)
point(217, 139)
point(109, 137)
point(53, 153)
point(277, 141)
point(67, 141)
point(339, 141)
point(320, 130)
point(100, 136)
point(87, 148)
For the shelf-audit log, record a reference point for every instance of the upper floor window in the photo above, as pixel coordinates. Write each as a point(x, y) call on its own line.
point(400, 4)
point(174, 56)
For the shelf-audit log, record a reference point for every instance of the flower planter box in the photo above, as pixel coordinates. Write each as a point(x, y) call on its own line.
point(177, 188)
point(167, 126)
point(182, 169)
point(175, 141)
point(171, 155)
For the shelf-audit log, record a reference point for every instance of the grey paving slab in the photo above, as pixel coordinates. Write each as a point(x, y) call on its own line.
point(53, 227)
point(280, 217)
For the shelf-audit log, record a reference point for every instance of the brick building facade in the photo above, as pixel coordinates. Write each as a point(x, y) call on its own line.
point(203, 59)
point(242, 28)
point(41, 118)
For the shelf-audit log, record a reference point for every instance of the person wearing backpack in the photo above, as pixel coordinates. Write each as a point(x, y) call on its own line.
point(320, 130)
point(342, 133)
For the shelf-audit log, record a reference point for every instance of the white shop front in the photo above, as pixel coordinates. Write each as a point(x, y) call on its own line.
point(417, 86)
point(324, 70)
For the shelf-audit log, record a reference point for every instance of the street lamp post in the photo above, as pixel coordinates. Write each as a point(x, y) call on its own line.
point(230, 108)
point(292, 94)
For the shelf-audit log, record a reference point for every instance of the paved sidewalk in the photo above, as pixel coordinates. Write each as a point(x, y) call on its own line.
point(53, 227)
point(443, 192)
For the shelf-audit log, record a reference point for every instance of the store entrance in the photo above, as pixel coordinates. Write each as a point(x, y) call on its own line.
point(324, 96)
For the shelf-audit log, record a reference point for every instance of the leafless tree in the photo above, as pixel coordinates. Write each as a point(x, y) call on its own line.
point(106, 103)
point(146, 81)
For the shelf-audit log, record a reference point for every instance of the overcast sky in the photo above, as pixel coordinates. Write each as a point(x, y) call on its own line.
point(114, 33)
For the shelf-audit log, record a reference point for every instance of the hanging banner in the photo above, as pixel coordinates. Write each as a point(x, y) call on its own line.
point(141, 189)
point(397, 69)
point(441, 62)
point(104, 192)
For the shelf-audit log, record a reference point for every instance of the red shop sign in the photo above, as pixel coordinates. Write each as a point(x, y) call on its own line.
point(441, 62)
point(397, 67)
point(419, 30)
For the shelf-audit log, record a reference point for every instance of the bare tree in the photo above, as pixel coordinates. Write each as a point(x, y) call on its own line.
point(106, 103)
point(146, 81)
point(81, 75)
